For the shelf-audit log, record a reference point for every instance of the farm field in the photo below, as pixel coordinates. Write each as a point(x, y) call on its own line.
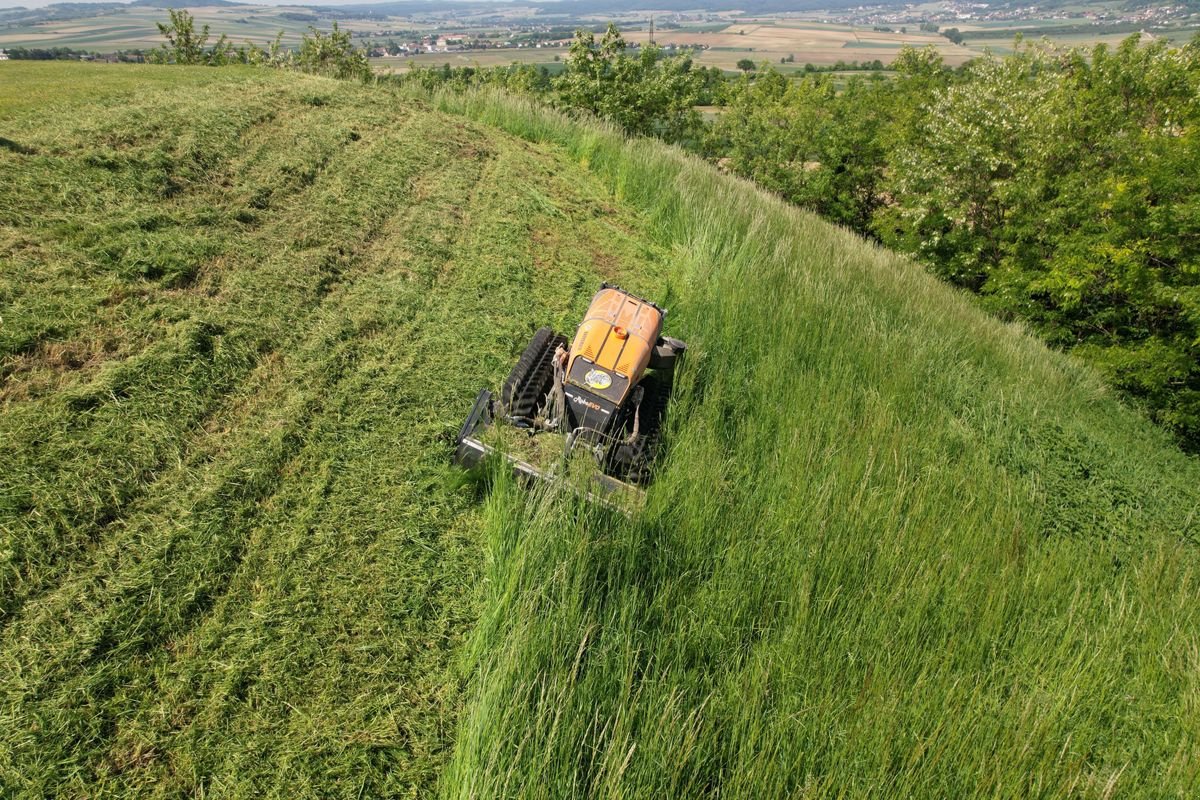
point(1081, 40)
point(767, 39)
point(134, 27)
point(894, 546)
point(484, 58)
point(812, 43)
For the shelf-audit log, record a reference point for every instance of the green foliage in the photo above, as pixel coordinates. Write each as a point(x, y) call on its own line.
point(332, 54)
point(801, 138)
point(275, 55)
point(1062, 188)
point(186, 45)
point(1054, 183)
point(923, 63)
point(517, 78)
point(45, 53)
point(648, 94)
point(746, 65)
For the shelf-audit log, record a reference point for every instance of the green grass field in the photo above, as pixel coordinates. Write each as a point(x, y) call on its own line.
point(243, 313)
point(895, 548)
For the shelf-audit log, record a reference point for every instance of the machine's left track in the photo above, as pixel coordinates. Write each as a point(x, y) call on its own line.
point(525, 389)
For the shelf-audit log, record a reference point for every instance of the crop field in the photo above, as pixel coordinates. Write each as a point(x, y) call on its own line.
point(767, 39)
point(894, 547)
point(538, 56)
point(1080, 40)
point(134, 28)
point(812, 43)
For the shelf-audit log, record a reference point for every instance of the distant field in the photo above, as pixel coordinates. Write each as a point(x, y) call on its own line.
point(1001, 24)
point(758, 39)
point(1003, 46)
point(811, 43)
point(469, 58)
point(135, 28)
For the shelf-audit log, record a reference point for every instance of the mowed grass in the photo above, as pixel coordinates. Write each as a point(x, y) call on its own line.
point(896, 549)
point(243, 315)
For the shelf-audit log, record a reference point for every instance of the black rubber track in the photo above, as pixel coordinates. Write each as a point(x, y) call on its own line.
point(530, 379)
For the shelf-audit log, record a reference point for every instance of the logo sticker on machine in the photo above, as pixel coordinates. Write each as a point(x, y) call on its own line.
point(598, 379)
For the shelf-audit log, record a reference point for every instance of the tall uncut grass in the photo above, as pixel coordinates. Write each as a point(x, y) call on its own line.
point(896, 548)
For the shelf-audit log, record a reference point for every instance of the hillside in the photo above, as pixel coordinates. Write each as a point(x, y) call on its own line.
point(895, 547)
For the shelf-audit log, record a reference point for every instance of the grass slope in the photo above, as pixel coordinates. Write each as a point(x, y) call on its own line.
point(895, 547)
point(243, 313)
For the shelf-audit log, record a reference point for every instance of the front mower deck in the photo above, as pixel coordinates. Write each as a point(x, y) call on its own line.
point(539, 456)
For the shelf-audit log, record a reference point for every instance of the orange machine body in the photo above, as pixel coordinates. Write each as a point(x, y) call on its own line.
point(613, 345)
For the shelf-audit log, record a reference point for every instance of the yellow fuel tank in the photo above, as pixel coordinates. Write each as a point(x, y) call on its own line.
point(612, 347)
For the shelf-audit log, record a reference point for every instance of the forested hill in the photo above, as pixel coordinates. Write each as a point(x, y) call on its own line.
point(894, 547)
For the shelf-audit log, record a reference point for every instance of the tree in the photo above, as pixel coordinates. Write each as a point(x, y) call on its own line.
point(911, 62)
point(954, 35)
point(183, 45)
point(275, 55)
point(648, 94)
point(746, 65)
point(803, 139)
point(332, 54)
point(1060, 186)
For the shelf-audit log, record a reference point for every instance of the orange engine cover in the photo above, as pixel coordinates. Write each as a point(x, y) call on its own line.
point(613, 344)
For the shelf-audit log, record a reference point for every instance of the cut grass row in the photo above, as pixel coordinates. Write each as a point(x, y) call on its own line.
point(242, 314)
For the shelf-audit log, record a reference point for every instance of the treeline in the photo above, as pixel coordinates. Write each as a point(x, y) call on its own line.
point(1057, 185)
point(840, 66)
point(45, 53)
point(1060, 186)
point(65, 54)
point(331, 54)
point(646, 92)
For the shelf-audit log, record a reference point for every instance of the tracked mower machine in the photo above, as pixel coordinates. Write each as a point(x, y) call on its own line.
point(606, 394)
